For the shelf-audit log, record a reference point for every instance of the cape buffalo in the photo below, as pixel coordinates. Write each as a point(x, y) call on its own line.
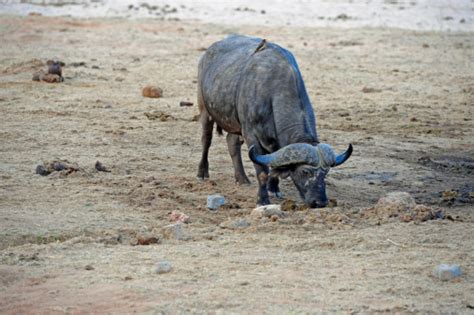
point(253, 89)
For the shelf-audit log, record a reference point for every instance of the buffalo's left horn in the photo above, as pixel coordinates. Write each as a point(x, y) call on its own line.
point(341, 158)
point(296, 153)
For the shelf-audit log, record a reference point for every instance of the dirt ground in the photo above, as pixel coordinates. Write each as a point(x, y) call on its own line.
point(404, 99)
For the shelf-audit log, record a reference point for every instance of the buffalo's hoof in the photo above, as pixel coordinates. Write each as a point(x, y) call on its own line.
point(277, 194)
point(201, 178)
point(263, 202)
point(242, 181)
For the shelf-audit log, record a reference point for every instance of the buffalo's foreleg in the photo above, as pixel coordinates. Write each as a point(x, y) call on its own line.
point(234, 145)
point(273, 188)
point(206, 140)
point(262, 176)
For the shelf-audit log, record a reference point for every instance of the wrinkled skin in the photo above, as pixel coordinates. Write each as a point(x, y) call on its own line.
point(261, 97)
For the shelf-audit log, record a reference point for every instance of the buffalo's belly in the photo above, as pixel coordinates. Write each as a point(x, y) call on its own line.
point(225, 116)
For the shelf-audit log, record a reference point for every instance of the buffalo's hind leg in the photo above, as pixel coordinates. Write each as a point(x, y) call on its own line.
point(206, 139)
point(234, 145)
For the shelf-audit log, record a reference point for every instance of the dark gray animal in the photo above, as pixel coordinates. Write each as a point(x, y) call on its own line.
point(253, 89)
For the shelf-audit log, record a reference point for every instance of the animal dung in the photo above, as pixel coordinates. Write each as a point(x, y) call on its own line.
point(101, 167)
point(185, 103)
point(159, 115)
point(152, 91)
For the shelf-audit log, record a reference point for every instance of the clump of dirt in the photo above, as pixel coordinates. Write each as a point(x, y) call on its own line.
point(159, 115)
point(63, 166)
point(291, 205)
point(401, 205)
point(370, 90)
point(152, 91)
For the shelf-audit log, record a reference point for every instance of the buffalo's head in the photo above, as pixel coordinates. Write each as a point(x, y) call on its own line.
point(307, 165)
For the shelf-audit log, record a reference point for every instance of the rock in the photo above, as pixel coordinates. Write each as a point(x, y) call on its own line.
point(41, 170)
point(174, 232)
point(185, 103)
point(55, 67)
point(163, 267)
point(235, 224)
point(52, 78)
point(101, 167)
point(394, 203)
point(89, 267)
point(446, 272)
point(147, 240)
point(215, 201)
point(152, 91)
point(179, 217)
point(268, 211)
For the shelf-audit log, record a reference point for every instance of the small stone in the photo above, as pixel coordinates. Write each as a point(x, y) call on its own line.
point(268, 211)
point(215, 201)
point(41, 170)
point(89, 267)
point(147, 240)
point(101, 167)
point(127, 278)
point(163, 267)
point(446, 272)
point(152, 91)
point(185, 103)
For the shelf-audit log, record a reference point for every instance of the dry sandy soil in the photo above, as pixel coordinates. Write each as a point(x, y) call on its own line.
point(404, 99)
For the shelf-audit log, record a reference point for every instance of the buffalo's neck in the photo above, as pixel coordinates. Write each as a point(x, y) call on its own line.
point(295, 124)
point(296, 133)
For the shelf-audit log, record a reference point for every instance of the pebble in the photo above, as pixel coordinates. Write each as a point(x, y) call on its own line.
point(268, 211)
point(152, 91)
point(446, 272)
point(215, 201)
point(163, 267)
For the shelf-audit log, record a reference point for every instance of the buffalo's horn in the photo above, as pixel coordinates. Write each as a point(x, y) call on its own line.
point(341, 158)
point(296, 153)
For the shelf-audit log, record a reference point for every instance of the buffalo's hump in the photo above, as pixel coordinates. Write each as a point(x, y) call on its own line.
point(261, 92)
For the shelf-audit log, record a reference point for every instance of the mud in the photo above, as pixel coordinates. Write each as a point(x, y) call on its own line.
point(342, 259)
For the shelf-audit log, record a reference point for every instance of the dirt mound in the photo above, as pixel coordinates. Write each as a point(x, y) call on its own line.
point(401, 205)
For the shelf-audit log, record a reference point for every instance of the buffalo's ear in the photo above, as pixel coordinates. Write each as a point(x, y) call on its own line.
point(282, 172)
point(49, 62)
